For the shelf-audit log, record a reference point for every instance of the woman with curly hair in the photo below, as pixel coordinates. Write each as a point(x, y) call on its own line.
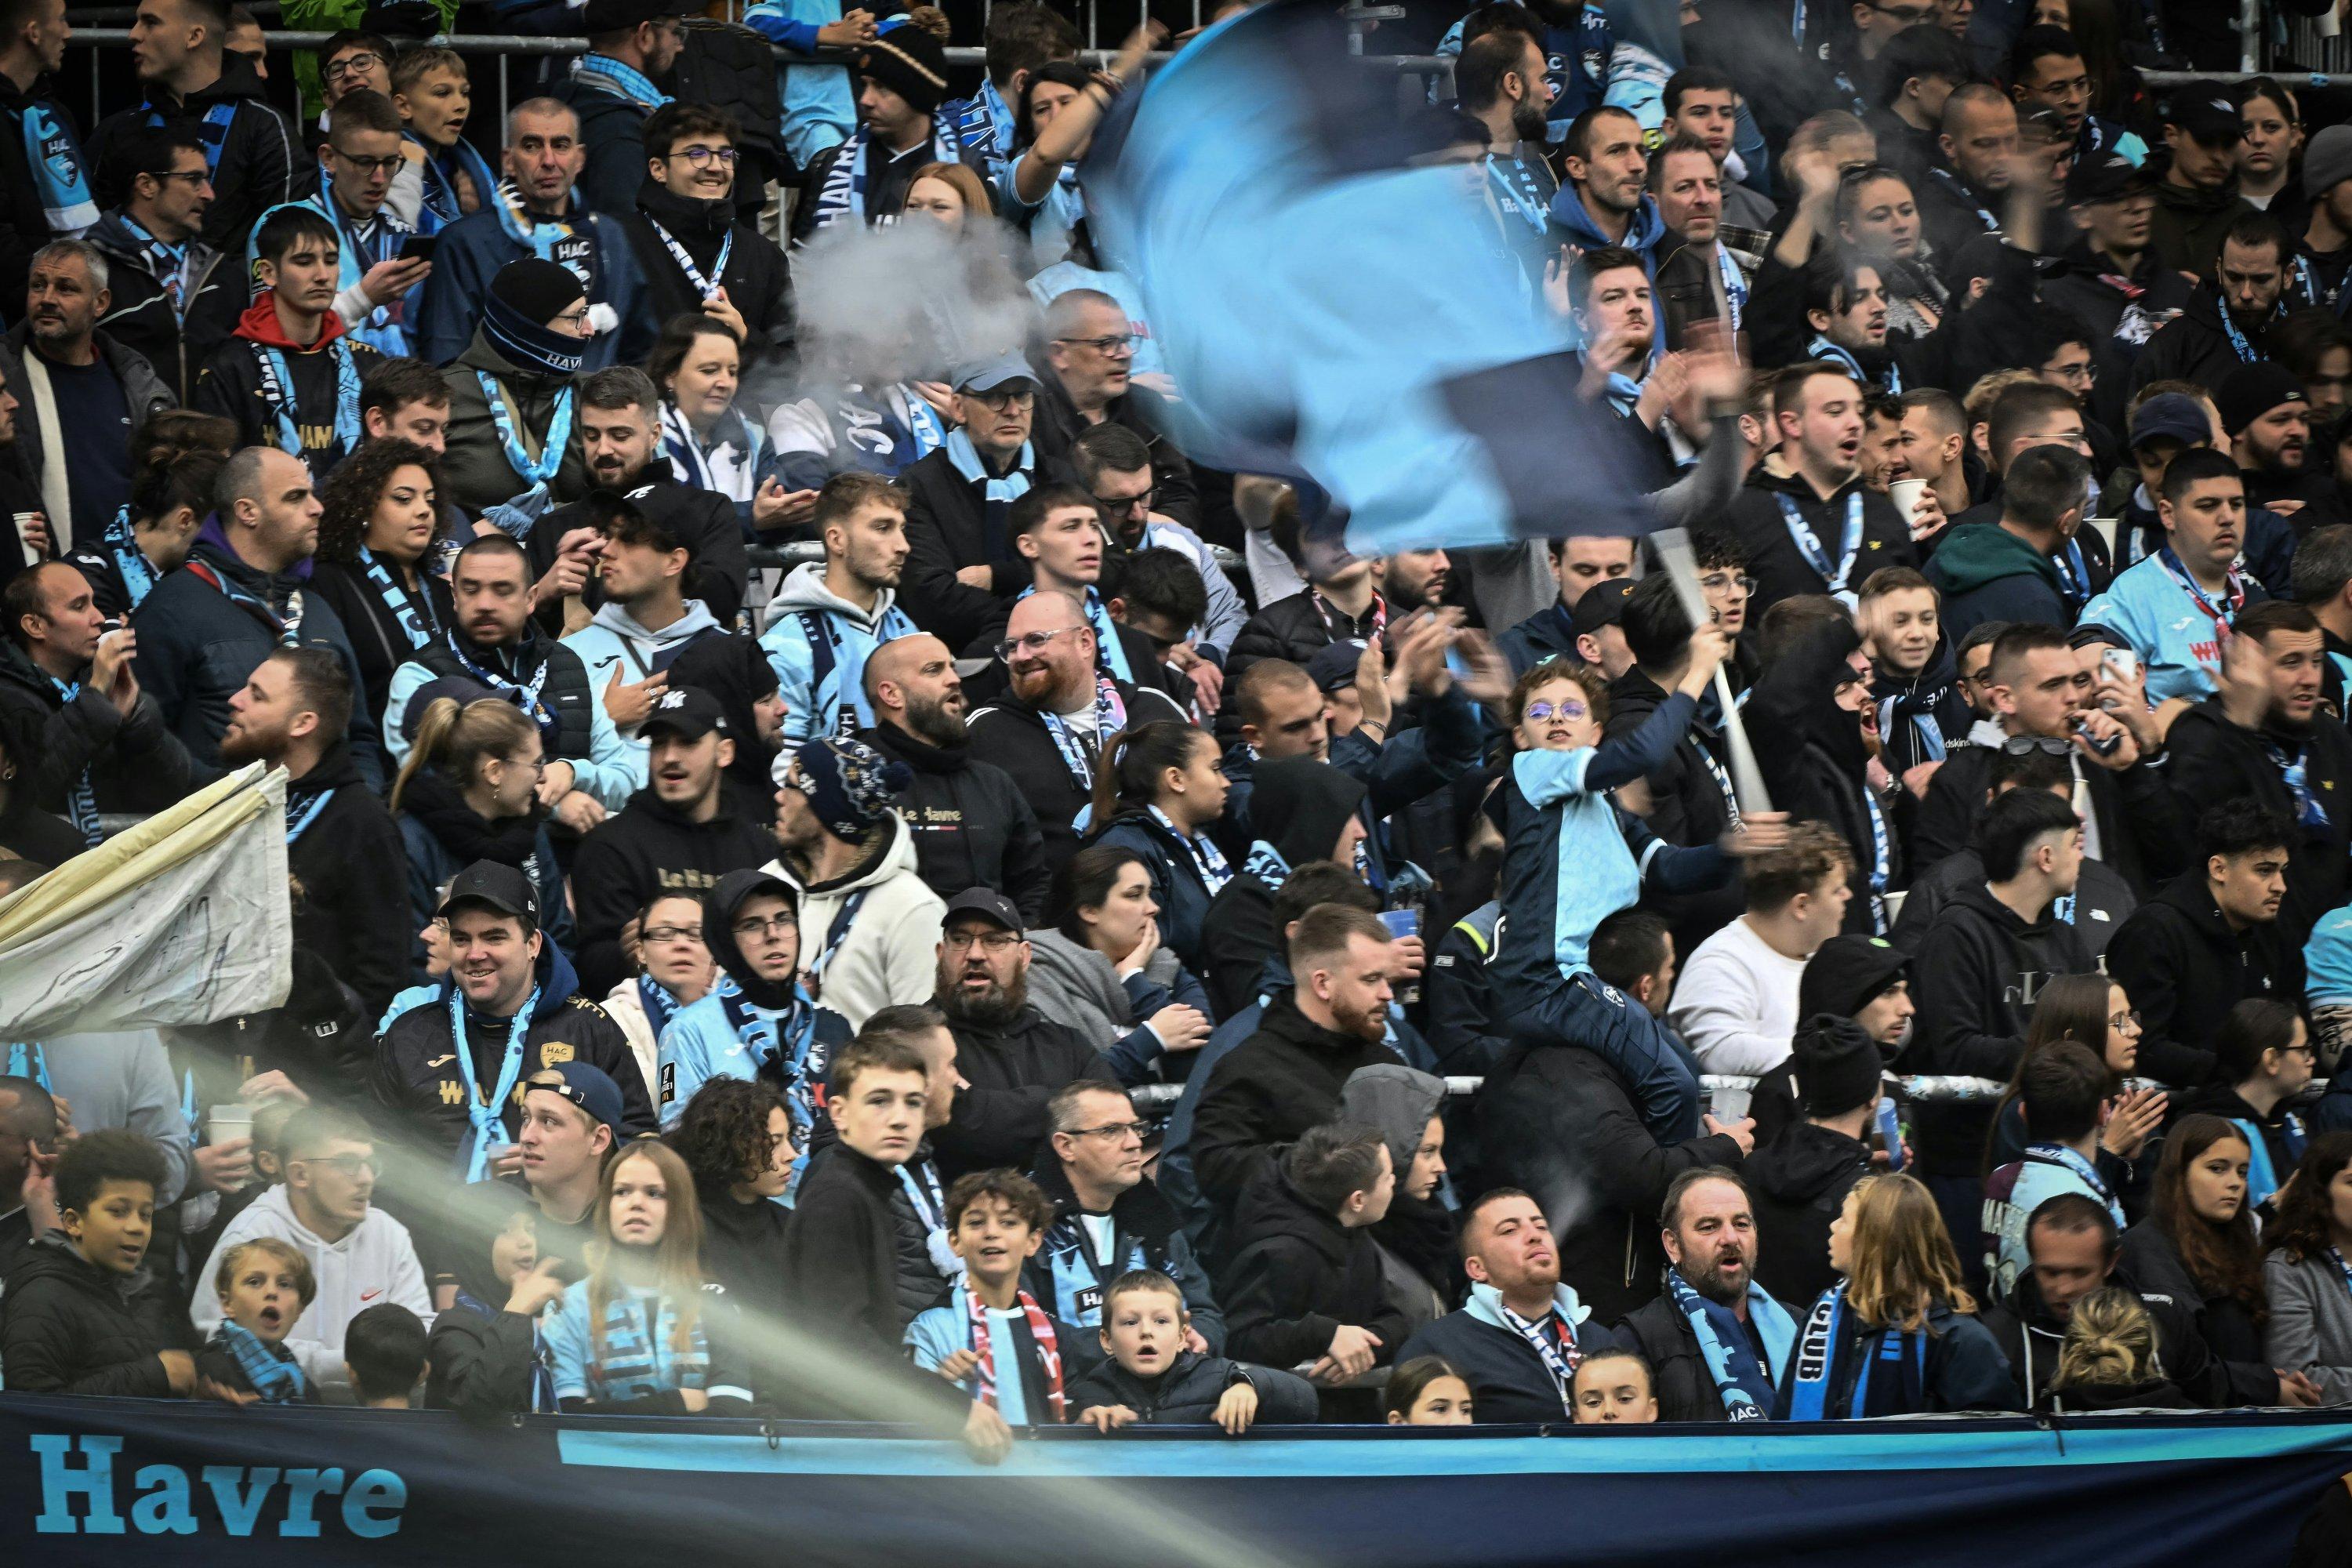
point(379, 520)
point(2306, 1276)
point(736, 1139)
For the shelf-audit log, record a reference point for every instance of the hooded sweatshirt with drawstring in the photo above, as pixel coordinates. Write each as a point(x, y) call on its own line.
point(614, 643)
point(819, 643)
point(234, 381)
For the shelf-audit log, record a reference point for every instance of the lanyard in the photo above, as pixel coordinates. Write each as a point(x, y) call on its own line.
point(2073, 577)
point(1074, 755)
point(298, 823)
point(1809, 544)
point(486, 1116)
point(81, 801)
point(2297, 776)
point(413, 611)
point(2083, 1172)
point(704, 288)
point(1342, 627)
point(542, 469)
point(1722, 779)
point(287, 628)
point(1735, 282)
point(838, 932)
point(1206, 859)
point(2170, 565)
point(2346, 1268)
point(1562, 1368)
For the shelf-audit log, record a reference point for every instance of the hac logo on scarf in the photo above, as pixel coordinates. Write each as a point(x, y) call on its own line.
point(79, 1498)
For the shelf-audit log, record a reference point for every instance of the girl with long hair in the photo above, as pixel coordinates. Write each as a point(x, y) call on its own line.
point(2093, 1012)
point(1102, 969)
point(176, 464)
point(468, 792)
point(1897, 1334)
point(2306, 1276)
point(1060, 106)
point(380, 517)
point(2198, 1246)
point(1159, 790)
point(635, 1337)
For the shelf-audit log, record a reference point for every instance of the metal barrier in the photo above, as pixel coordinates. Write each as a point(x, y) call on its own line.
point(1936, 1087)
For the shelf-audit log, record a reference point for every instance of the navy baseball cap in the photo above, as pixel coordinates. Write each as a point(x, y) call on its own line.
point(591, 1088)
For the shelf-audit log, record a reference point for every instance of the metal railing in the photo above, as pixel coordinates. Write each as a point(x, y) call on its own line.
point(1938, 1089)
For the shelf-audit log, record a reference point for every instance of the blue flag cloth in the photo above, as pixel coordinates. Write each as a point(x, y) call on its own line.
point(1333, 312)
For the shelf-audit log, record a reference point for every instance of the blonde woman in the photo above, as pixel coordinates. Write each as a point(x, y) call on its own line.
point(2109, 1360)
point(636, 1337)
point(1897, 1334)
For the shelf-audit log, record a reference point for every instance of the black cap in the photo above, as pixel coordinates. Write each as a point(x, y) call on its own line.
point(1333, 668)
point(2204, 110)
point(496, 887)
point(1847, 972)
point(1838, 1064)
point(685, 712)
point(2105, 178)
point(612, 16)
point(1603, 604)
point(987, 903)
point(663, 504)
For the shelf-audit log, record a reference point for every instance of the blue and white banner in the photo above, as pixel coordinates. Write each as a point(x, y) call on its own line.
point(147, 1482)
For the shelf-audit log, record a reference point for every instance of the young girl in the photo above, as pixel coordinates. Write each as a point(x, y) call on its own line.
point(2109, 1360)
point(264, 1285)
point(1613, 1386)
point(2198, 1247)
point(1427, 1392)
point(632, 1339)
point(2304, 1276)
point(1898, 1334)
point(2095, 1012)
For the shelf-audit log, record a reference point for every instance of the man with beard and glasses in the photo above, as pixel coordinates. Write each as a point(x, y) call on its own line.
point(1716, 1342)
point(676, 834)
point(829, 617)
point(850, 855)
point(972, 825)
point(1014, 1059)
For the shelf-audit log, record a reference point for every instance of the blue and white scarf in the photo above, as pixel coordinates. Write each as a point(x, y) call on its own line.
point(413, 611)
point(277, 395)
point(659, 1004)
point(1556, 1350)
point(270, 1369)
point(440, 207)
point(486, 1118)
point(212, 131)
point(1265, 862)
point(169, 263)
point(60, 171)
point(81, 801)
point(1207, 859)
point(619, 79)
point(704, 288)
point(123, 543)
point(525, 696)
point(1822, 1346)
point(843, 195)
point(1889, 380)
point(997, 495)
point(1741, 1382)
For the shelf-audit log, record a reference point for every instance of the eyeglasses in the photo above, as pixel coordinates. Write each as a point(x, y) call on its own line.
point(1114, 344)
point(366, 165)
point(1539, 711)
point(1033, 642)
point(674, 933)
point(774, 926)
point(349, 1164)
point(352, 65)
point(699, 155)
point(537, 764)
point(574, 322)
point(194, 176)
point(2129, 1020)
point(1003, 397)
point(1909, 15)
point(1116, 505)
point(2048, 745)
point(1718, 582)
point(992, 941)
point(1111, 1131)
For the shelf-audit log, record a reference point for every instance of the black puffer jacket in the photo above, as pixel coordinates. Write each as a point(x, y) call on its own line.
point(971, 826)
point(67, 1328)
point(1298, 628)
point(1186, 1395)
point(1296, 1274)
point(136, 764)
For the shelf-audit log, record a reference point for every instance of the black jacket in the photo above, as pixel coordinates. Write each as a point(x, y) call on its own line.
point(743, 1251)
point(1975, 980)
point(2103, 899)
point(1014, 737)
point(1556, 1122)
point(2231, 1337)
point(757, 279)
point(135, 764)
point(231, 384)
point(1307, 803)
point(2030, 1337)
point(2142, 835)
point(1264, 1092)
point(2213, 761)
point(1297, 628)
point(1816, 765)
point(1296, 1273)
point(140, 313)
point(378, 640)
point(971, 825)
point(718, 569)
point(67, 1328)
point(649, 847)
point(841, 1257)
point(1508, 1383)
point(1138, 409)
point(2184, 969)
point(947, 530)
point(1009, 1072)
point(2186, 234)
point(261, 164)
point(1678, 1372)
point(347, 868)
point(2194, 346)
point(2084, 285)
point(1186, 1395)
point(481, 1363)
point(1780, 568)
point(1799, 1182)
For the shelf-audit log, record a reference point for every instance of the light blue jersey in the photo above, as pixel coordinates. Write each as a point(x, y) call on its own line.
point(2178, 638)
point(940, 1332)
point(2327, 958)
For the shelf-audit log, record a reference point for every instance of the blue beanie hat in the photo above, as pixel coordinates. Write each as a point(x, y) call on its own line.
point(850, 787)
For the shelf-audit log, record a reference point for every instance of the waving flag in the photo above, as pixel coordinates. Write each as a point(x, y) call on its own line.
point(1331, 312)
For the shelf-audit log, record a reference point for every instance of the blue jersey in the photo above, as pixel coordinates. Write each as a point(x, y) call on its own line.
point(2327, 958)
point(2178, 629)
point(640, 1354)
point(723, 1035)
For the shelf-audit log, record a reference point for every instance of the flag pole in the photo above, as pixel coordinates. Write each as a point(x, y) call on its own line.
point(1673, 548)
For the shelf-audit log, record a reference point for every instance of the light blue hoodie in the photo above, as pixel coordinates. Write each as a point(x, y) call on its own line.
point(614, 643)
point(814, 696)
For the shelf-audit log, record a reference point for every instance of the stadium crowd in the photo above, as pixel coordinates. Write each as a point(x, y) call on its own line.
point(820, 859)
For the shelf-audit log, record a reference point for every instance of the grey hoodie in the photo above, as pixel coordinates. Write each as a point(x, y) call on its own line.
point(1077, 986)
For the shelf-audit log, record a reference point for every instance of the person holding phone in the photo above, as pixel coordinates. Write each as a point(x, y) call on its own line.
point(383, 279)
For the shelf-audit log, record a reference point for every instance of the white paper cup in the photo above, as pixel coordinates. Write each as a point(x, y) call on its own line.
point(1906, 494)
point(226, 1123)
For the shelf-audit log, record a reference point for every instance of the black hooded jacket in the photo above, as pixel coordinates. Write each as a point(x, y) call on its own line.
point(757, 277)
point(67, 1328)
point(2194, 346)
point(349, 867)
point(1817, 766)
point(1933, 694)
point(1799, 1182)
point(971, 826)
point(1010, 1071)
point(733, 671)
point(2184, 969)
point(649, 847)
point(1296, 1273)
point(1311, 802)
point(1781, 568)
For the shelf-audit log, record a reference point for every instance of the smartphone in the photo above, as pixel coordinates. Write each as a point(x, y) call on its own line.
point(2123, 661)
point(419, 246)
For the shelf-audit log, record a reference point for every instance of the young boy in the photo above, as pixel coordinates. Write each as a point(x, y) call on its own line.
point(65, 1326)
point(383, 1356)
point(1571, 859)
point(1921, 713)
point(992, 1340)
point(430, 89)
point(1613, 1385)
point(263, 1285)
point(2066, 1092)
point(288, 377)
point(1153, 1379)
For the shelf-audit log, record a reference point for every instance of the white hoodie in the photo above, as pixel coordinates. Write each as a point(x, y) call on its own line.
point(889, 955)
point(375, 1264)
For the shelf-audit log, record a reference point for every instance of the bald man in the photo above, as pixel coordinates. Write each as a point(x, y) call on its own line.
point(971, 826)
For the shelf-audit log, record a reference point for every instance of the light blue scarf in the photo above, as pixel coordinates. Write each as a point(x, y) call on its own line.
point(1743, 1383)
point(58, 172)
